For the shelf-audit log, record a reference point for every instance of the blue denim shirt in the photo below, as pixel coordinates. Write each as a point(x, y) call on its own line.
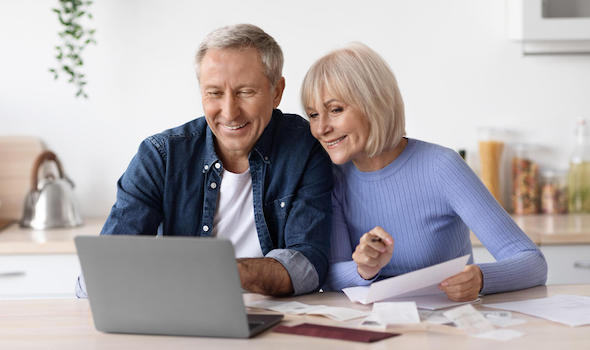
point(168, 184)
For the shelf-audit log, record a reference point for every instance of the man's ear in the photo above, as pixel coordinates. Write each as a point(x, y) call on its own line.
point(278, 92)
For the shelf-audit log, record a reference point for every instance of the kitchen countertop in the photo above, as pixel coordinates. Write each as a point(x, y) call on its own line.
point(542, 229)
point(17, 240)
point(552, 229)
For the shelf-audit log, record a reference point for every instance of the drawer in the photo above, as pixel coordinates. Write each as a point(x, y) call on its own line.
point(38, 276)
point(566, 264)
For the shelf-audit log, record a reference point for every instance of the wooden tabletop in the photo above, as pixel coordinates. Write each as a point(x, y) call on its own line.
point(67, 324)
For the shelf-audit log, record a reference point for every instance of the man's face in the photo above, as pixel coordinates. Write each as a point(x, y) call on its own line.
point(237, 98)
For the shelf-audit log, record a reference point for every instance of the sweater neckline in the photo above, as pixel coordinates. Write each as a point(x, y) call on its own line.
point(389, 169)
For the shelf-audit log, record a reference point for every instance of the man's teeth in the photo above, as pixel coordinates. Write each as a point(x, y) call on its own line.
point(336, 141)
point(235, 127)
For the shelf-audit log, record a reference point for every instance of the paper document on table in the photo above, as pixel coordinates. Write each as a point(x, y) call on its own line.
point(572, 310)
point(413, 284)
point(297, 308)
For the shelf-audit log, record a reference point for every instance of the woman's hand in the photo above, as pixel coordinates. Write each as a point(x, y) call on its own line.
point(464, 286)
point(373, 252)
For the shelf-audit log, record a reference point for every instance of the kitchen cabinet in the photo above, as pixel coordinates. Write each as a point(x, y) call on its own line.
point(41, 263)
point(38, 276)
point(550, 26)
point(563, 239)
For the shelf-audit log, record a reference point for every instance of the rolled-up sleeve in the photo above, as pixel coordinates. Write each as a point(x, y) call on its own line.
point(303, 274)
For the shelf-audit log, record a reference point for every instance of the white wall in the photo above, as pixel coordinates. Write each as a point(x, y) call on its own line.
point(456, 68)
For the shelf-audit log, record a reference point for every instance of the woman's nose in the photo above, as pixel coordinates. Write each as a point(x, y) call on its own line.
point(323, 126)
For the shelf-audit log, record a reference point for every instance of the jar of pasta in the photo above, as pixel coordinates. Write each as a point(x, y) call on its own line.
point(525, 181)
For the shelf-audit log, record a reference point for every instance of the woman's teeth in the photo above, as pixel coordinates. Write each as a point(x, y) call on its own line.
point(335, 141)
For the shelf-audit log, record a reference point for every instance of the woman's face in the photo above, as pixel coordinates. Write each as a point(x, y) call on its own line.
point(342, 129)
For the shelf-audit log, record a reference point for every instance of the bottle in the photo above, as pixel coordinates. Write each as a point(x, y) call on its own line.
point(579, 172)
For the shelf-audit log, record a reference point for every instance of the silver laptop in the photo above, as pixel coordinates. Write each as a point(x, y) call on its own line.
point(173, 286)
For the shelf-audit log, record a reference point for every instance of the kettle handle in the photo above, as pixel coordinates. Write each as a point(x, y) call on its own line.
point(43, 157)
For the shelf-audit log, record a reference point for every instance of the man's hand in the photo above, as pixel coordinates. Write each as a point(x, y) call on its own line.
point(264, 276)
point(373, 252)
point(464, 286)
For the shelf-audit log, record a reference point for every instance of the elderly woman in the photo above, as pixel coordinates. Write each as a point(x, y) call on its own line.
point(389, 188)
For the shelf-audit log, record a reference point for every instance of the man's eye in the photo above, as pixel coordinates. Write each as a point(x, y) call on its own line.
point(214, 93)
point(246, 92)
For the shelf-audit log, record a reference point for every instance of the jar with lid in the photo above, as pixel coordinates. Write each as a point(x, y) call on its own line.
point(525, 181)
point(553, 192)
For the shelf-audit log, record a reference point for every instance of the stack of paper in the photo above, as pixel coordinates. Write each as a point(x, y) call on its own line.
point(297, 308)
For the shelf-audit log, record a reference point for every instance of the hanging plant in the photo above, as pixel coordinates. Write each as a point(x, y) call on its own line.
point(72, 14)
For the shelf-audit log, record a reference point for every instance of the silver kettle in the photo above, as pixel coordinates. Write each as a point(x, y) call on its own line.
point(51, 202)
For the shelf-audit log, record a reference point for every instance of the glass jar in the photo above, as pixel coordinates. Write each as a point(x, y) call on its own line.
point(553, 192)
point(525, 181)
point(491, 147)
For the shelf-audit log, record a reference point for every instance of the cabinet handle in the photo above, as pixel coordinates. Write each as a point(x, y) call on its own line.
point(12, 273)
point(584, 264)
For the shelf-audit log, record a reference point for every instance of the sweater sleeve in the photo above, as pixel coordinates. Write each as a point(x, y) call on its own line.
point(519, 263)
point(342, 272)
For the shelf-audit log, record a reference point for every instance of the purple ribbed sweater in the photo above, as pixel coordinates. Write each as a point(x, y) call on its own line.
point(428, 199)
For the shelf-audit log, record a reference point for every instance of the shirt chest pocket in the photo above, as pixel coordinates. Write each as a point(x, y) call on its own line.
point(276, 213)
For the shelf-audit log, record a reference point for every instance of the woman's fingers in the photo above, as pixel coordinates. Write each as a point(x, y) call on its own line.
point(465, 285)
point(380, 235)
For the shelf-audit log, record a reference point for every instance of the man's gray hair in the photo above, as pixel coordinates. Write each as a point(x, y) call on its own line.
point(240, 36)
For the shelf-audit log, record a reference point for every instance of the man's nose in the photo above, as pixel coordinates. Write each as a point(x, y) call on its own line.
point(231, 108)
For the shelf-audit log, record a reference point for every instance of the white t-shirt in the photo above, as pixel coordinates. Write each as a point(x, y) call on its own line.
point(234, 217)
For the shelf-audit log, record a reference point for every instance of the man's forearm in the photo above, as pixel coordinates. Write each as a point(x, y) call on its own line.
point(264, 276)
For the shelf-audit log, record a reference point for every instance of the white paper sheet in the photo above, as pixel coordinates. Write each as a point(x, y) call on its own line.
point(500, 334)
point(469, 319)
point(396, 312)
point(408, 286)
point(297, 308)
point(572, 310)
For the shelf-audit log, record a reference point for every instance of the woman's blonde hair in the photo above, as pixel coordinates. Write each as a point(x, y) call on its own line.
point(358, 76)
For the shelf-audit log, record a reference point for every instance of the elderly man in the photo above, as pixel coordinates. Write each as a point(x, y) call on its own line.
point(246, 172)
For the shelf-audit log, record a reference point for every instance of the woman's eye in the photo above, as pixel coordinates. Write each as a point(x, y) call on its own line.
point(312, 115)
point(336, 110)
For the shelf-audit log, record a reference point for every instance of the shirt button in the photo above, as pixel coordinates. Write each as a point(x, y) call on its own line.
point(205, 228)
point(282, 204)
point(213, 185)
point(217, 165)
point(206, 167)
point(265, 158)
